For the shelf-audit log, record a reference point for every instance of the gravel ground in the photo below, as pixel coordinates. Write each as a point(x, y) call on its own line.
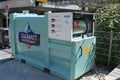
point(102, 71)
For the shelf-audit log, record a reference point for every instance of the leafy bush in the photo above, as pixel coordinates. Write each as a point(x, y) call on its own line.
point(108, 18)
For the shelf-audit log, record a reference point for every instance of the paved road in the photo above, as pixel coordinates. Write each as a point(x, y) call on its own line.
point(14, 70)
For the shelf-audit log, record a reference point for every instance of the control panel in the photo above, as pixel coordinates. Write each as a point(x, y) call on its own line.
point(60, 26)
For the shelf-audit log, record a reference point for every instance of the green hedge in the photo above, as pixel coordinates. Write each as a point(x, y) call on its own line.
point(107, 20)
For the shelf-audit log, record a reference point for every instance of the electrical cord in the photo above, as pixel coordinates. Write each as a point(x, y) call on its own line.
point(97, 73)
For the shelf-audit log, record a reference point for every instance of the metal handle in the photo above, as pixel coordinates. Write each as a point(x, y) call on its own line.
point(80, 49)
point(93, 47)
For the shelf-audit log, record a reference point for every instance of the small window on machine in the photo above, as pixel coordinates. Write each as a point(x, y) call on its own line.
point(79, 27)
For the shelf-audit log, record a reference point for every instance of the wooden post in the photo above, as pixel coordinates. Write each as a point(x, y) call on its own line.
point(110, 47)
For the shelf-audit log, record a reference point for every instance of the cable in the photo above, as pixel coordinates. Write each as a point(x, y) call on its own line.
point(97, 74)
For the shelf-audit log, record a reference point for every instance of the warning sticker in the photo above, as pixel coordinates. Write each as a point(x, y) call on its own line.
point(86, 50)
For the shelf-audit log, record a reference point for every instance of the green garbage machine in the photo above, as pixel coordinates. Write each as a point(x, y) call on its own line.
point(62, 43)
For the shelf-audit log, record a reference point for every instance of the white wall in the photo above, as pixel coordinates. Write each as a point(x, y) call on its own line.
point(16, 3)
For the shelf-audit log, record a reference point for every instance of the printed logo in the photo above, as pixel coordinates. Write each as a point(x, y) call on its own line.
point(29, 37)
point(66, 16)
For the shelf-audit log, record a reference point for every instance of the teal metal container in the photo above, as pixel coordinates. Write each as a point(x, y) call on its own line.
point(30, 42)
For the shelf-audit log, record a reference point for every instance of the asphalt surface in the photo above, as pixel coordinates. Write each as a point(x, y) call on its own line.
point(15, 70)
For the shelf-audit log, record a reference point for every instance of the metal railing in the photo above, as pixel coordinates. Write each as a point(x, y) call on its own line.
point(108, 44)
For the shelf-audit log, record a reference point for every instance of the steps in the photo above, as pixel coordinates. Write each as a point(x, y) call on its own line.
point(114, 74)
point(5, 55)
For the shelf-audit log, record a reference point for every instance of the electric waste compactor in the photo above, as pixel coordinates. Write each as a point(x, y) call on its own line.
point(61, 42)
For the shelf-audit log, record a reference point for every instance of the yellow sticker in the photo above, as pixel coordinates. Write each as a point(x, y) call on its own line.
point(86, 50)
